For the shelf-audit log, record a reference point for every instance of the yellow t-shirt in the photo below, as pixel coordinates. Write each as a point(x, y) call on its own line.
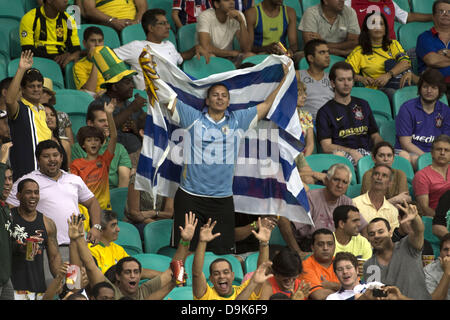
point(369, 212)
point(120, 9)
point(373, 65)
point(81, 71)
point(64, 36)
point(211, 293)
point(358, 246)
point(107, 256)
point(39, 120)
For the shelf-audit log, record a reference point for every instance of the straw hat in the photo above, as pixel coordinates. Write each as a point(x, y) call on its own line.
point(110, 66)
point(48, 86)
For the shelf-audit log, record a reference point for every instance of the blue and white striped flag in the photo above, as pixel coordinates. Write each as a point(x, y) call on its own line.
point(266, 179)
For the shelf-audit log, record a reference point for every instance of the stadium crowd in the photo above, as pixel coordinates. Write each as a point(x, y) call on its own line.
point(373, 80)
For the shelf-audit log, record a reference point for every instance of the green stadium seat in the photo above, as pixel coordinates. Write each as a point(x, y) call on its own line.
point(424, 161)
point(68, 76)
point(276, 237)
point(157, 235)
point(295, 4)
point(119, 201)
point(387, 131)
point(210, 257)
point(256, 59)
point(408, 33)
point(429, 236)
point(71, 101)
point(407, 93)
point(321, 162)
point(309, 3)
point(3, 73)
point(153, 261)
point(29, 4)
point(6, 26)
point(303, 64)
point(111, 39)
point(129, 238)
point(404, 4)
point(251, 262)
point(48, 68)
point(78, 120)
point(354, 190)
point(131, 33)
point(378, 101)
point(399, 163)
point(364, 164)
point(167, 6)
point(135, 32)
point(186, 37)
point(12, 9)
point(198, 68)
point(422, 6)
point(180, 293)
point(15, 48)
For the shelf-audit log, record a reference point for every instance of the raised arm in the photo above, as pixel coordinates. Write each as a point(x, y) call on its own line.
point(94, 213)
point(264, 107)
point(25, 63)
point(199, 283)
point(54, 257)
point(167, 283)
point(410, 216)
point(109, 109)
point(76, 235)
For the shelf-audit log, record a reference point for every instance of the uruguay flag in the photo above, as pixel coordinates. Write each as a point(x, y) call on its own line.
point(266, 179)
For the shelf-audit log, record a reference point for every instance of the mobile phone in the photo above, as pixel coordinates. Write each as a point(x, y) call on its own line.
point(379, 293)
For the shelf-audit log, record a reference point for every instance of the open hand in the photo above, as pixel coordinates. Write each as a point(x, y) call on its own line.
point(189, 227)
point(109, 107)
point(262, 273)
point(206, 234)
point(408, 212)
point(26, 60)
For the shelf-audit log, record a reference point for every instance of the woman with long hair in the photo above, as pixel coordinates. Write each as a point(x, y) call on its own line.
point(378, 61)
point(53, 125)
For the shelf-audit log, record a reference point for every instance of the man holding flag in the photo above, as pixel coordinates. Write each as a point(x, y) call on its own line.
point(210, 149)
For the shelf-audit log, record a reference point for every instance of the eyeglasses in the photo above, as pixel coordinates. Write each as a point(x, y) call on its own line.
point(443, 12)
point(162, 23)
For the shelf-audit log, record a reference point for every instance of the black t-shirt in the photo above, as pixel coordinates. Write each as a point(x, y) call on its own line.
point(441, 210)
point(347, 125)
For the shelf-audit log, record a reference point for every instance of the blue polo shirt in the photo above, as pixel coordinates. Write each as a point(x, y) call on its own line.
point(413, 121)
point(211, 148)
point(427, 42)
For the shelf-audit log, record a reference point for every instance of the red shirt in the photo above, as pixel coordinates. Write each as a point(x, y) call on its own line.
point(385, 6)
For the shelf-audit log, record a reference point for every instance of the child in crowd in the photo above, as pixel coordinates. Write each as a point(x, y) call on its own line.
point(306, 121)
point(94, 168)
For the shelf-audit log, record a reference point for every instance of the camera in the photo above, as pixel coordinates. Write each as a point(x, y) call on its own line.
point(379, 293)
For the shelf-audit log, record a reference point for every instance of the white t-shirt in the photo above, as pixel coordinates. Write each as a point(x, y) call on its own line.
point(130, 54)
point(349, 294)
point(400, 14)
point(221, 34)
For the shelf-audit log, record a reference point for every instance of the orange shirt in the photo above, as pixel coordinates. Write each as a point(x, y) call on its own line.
point(276, 288)
point(315, 273)
point(95, 174)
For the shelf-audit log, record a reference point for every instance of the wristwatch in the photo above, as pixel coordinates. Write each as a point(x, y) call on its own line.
point(97, 226)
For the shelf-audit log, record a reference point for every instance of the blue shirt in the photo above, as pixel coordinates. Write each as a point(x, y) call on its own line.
point(211, 148)
point(413, 121)
point(427, 42)
point(349, 125)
